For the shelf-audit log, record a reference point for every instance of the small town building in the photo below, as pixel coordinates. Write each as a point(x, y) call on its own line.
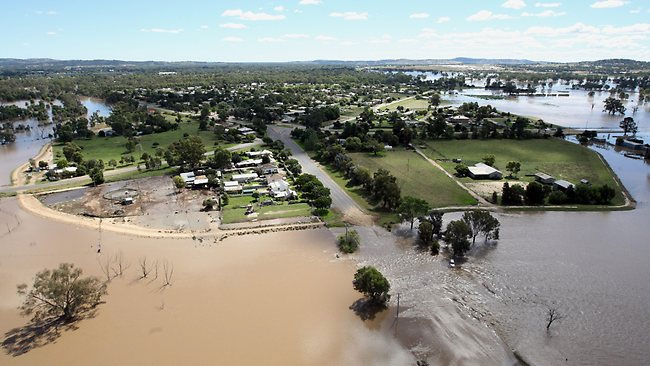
point(563, 185)
point(258, 154)
point(458, 120)
point(484, 171)
point(127, 201)
point(266, 169)
point(249, 163)
point(232, 187)
point(246, 177)
point(200, 181)
point(188, 178)
point(544, 178)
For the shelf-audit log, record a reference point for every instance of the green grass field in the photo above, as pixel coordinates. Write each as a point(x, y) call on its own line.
point(107, 148)
point(417, 178)
point(234, 212)
point(559, 158)
point(412, 104)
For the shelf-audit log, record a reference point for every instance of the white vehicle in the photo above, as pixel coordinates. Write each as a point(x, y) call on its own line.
point(452, 263)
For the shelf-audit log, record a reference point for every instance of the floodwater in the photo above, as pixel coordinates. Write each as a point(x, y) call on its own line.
point(28, 143)
point(573, 111)
point(283, 300)
point(593, 266)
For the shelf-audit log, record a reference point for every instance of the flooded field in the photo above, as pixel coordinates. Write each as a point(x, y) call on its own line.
point(28, 143)
point(237, 302)
point(592, 266)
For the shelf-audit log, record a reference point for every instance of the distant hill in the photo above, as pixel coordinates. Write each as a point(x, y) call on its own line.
point(22, 66)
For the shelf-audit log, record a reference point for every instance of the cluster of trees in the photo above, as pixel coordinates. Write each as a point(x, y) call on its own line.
point(613, 106)
point(473, 223)
point(128, 118)
point(537, 194)
point(370, 282)
point(313, 190)
point(76, 128)
point(314, 118)
point(71, 109)
point(380, 186)
point(430, 230)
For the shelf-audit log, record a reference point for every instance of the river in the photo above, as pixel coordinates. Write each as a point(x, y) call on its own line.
point(28, 143)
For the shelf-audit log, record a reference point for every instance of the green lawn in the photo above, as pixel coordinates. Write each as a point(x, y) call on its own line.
point(559, 158)
point(234, 212)
point(107, 148)
point(416, 177)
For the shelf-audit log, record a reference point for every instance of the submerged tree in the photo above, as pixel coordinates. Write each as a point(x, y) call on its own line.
point(370, 282)
point(61, 293)
point(481, 222)
point(411, 208)
point(629, 126)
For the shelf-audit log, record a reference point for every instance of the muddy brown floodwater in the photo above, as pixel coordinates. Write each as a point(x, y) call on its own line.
point(283, 300)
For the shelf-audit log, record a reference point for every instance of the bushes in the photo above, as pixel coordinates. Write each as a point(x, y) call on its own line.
point(348, 242)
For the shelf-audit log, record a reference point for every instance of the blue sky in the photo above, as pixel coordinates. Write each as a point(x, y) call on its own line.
point(246, 30)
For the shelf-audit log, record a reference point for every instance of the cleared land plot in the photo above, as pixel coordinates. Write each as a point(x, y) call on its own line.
point(417, 178)
point(559, 158)
point(107, 148)
point(235, 211)
point(412, 104)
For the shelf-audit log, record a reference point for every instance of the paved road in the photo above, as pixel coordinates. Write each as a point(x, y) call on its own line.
point(340, 199)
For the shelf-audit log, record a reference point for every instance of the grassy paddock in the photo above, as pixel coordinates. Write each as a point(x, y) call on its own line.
point(233, 212)
point(559, 158)
point(107, 148)
point(412, 104)
point(417, 178)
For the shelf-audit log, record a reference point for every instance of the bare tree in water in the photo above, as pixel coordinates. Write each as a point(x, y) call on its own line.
point(120, 265)
point(144, 267)
point(553, 315)
point(169, 272)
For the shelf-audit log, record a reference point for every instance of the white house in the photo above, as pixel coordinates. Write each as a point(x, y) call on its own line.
point(188, 178)
point(244, 177)
point(249, 163)
point(484, 171)
point(258, 154)
point(231, 186)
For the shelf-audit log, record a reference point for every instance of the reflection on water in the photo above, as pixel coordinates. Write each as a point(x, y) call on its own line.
point(28, 143)
point(578, 110)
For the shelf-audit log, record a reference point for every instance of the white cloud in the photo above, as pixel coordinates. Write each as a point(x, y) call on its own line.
point(324, 38)
point(232, 25)
point(419, 15)
point(270, 40)
point(407, 40)
point(514, 4)
point(279, 8)
point(295, 36)
point(577, 28)
point(249, 15)
point(604, 4)
point(49, 12)
point(484, 15)
point(309, 2)
point(350, 15)
point(382, 40)
point(635, 11)
point(349, 43)
point(162, 30)
point(544, 14)
point(443, 20)
point(51, 33)
point(232, 39)
point(548, 5)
